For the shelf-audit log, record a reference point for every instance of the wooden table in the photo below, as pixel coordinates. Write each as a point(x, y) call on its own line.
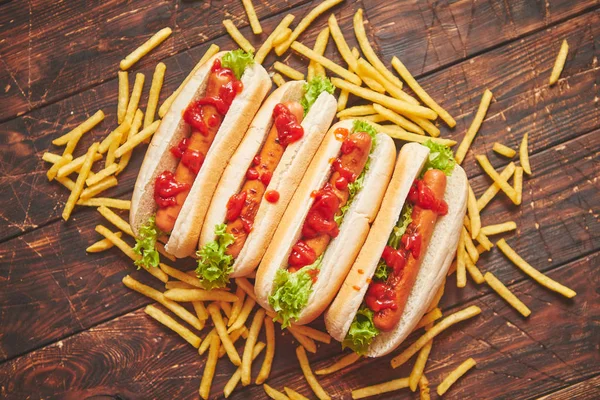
point(70, 329)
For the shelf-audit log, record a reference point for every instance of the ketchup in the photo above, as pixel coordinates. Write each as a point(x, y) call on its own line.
point(265, 178)
point(395, 259)
point(301, 255)
point(289, 129)
point(252, 174)
point(380, 297)
point(272, 196)
point(341, 134)
point(166, 188)
point(420, 195)
point(320, 217)
point(235, 205)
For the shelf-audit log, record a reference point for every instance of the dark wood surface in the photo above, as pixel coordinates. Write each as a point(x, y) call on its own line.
point(70, 329)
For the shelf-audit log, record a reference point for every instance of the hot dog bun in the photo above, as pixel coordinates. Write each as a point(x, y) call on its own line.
point(183, 239)
point(435, 263)
point(343, 249)
point(286, 176)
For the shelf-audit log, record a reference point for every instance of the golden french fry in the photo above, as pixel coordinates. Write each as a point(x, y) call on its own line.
point(461, 273)
point(153, 96)
point(444, 324)
point(305, 341)
point(82, 128)
point(145, 48)
point(244, 313)
point(532, 272)
point(175, 326)
point(502, 183)
point(134, 99)
point(237, 36)
point(559, 64)
point(235, 335)
point(499, 228)
point(115, 220)
point(519, 184)
point(341, 44)
point(207, 340)
point(343, 97)
point(246, 287)
point(489, 194)
point(62, 161)
point(339, 364)
point(313, 333)
point(123, 98)
point(265, 369)
point(255, 328)
point(98, 188)
point(237, 305)
point(308, 374)
point(278, 79)
point(399, 133)
point(102, 245)
point(398, 119)
point(187, 295)
point(474, 271)
point(51, 157)
point(470, 246)
point(419, 367)
point(293, 395)
point(455, 375)
point(133, 130)
point(314, 68)
point(74, 166)
point(137, 139)
point(215, 314)
point(107, 202)
point(356, 111)
point(385, 387)
point(369, 118)
point(506, 294)
point(273, 393)
point(237, 375)
point(200, 310)
point(79, 183)
point(304, 23)
point(252, 18)
point(428, 318)
point(209, 368)
point(282, 36)
point(424, 388)
point(182, 276)
point(288, 71)
point(436, 299)
point(102, 174)
point(473, 213)
point(177, 285)
point(503, 150)
point(524, 155)
point(114, 144)
point(474, 127)
point(366, 68)
point(325, 62)
point(268, 44)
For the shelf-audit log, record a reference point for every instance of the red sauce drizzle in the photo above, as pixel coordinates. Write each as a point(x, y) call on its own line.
point(272, 196)
point(289, 129)
point(380, 296)
point(301, 255)
point(235, 205)
point(341, 134)
point(166, 188)
point(421, 195)
point(252, 174)
point(320, 217)
point(265, 178)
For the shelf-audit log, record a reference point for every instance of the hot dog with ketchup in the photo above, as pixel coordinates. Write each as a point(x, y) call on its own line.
point(189, 152)
point(261, 178)
point(326, 223)
point(407, 254)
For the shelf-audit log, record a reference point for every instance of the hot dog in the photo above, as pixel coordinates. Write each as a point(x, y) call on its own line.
point(326, 222)
point(189, 152)
point(405, 256)
point(261, 178)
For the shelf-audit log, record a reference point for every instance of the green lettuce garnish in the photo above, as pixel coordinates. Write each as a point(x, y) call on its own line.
point(364, 126)
point(291, 292)
point(313, 89)
point(237, 61)
point(440, 157)
point(403, 222)
point(382, 271)
point(214, 266)
point(145, 244)
point(361, 332)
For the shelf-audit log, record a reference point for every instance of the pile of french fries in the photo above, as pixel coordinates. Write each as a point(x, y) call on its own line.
point(407, 118)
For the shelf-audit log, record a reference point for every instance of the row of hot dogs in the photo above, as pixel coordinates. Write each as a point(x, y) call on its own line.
point(328, 216)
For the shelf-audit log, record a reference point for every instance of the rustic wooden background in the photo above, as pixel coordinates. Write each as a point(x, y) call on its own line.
point(70, 329)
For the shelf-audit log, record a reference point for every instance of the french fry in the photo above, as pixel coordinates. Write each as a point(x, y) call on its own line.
point(473, 213)
point(474, 127)
point(282, 36)
point(207, 340)
point(398, 119)
point(137, 139)
point(288, 71)
point(102, 174)
point(273, 393)
point(200, 310)
point(371, 83)
point(98, 188)
point(161, 249)
point(252, 18)
point(182, 276)
point(484, 241)
point(164, 107)
point(268, 44)
point(74, 166)
point(278, 79)
point(110, 155)
point(325, 62)
point(436, 299)
point(246, 287)
point(177, 285)
point(145, 48)
point(237, 36)
point(306, 342)
point(237, 375)
point(188, 295)
point(363, 41)
point(313, 333)
point(339, 364)
point(244, 313)
point(175, 326)
point(255, 328)
point(370, 118)
point(474, 271)
point(532, 272)
point(356, 111)
point(444, 324)
point(123, 98)
point(106, 202)
point(385, 387)
point(400, 106)
point(429, 318)
point(82, 128)
point(226, 307)
point(506, 294)
point(305, 23)
point(308, 374)
point(134, 99)
point(235, 335)
point(489, 194)
point(455, 375)
point(293, 395)
point(396, 132)
point(518, 181)
point(153, 96)
point(419, 367)
point(115, 220)
point(232, 353)
point(102, 245)
point(343, 97)
point(470, 246)
point(62, 161)
point(51, 157)
point(424, 388)
point(489, 169)
point(340, 42)
point(499, 228)
point(314, 68)
point(559, 64)
point(209, 368)
point(461, 273)
point(78, 188)
point(265, 369)
point(365, 67)
point(237, 305)
point(422, 94)
point(503, 150)
point(120, 130)
point(524, 155)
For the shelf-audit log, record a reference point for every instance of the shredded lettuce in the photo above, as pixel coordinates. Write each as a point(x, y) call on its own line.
point(440, 157)
point(361, 332)
point(382, 271)
point(313, 89)
point(403, 222)
point(291, 292)
point(214, 266)
point(145, 244)
point(237, 61)
point(364, 126)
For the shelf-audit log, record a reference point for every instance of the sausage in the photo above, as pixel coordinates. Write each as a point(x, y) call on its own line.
point(269, 157)
point(166, 217)
point(423, 222)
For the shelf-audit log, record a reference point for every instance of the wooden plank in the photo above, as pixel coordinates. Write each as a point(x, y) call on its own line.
point(588, 389)
point(56, 275)
point(524, 104)
point(139, 358)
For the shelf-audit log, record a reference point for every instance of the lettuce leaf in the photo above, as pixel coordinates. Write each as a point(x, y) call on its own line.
point(440, 157)
point(145, 244)
point(364, 126)
point(214, 266)
point(361, 332)
point(403, 222)
point(382, 271)
point(313, 89)
point(237, 61)
point(291, 292)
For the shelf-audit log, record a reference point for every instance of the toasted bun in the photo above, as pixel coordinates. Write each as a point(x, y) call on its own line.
point(184, 237)
point(353, 231)
point(435, 263)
